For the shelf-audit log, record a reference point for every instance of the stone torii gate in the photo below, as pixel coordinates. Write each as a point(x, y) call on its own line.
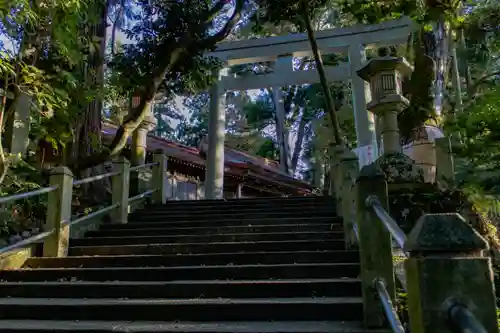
point(282, 49)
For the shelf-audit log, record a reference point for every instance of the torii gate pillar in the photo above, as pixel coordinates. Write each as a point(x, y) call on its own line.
point(214, 174)
point(361, 95)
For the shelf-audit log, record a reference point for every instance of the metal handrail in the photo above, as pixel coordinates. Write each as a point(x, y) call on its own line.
point(45, 234)
point(142, 195)
point(389, 310)
point(92, 215)
point(355, 229)
point(463, 320)
point(94, 178)
point(26, 195)
point(390, 224)
point(137, 167)
point(27, 241)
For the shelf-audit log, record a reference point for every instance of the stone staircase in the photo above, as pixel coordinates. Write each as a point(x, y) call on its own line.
point(249, 265)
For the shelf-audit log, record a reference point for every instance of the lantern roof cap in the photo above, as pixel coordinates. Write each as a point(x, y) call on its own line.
point(385, 63)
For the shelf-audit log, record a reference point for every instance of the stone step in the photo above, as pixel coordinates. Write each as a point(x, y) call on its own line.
point(241, 258)
point(246, 202)
point(230, 209)
point(169, 223)
point(185, 289)
point(211, 310)
point(234, 229)
point(216, 272)
point(262, 214)
point(213, 247)
point(221, 210)
point(181, 239)
point(35, 326)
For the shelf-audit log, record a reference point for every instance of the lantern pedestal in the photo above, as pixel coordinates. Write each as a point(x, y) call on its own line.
point(385, 74)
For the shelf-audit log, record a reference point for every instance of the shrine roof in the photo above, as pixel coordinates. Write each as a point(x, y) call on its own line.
point(236, 162)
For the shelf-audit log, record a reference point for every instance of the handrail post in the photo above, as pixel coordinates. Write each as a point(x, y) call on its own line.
point(174, 186)
point(58, 213)
point(374, 243)
point(348, 171)
point(239, 191)
point(200, 190)
point(120, 189)
point(160, 177)
point(447, 268)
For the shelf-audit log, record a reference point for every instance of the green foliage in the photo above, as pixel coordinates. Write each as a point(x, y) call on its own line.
point(166, 25)
point(192, 132)
point(268, 149)
point(370, 12)
point(24, 214)
point(276, 12)
point(133, 66)
point(479, 155)
point(46, 61)
point(482, 38)
point(44, 55)
point(260, 113)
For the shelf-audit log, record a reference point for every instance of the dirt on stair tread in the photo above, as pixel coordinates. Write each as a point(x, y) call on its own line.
point(217, 327)
point(289, 217)
point(326, 264)
point(299, 241)
point(238, 226)
point(71, 302)
point(225, 235)
point(119, 256)
point(187, 282)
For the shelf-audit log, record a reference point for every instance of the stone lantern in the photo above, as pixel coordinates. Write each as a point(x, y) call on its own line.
point(385, 74)
point(404, 178)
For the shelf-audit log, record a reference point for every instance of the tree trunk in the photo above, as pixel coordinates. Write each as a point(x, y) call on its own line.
point(327, 188)
point(330, 107)
point(464, 63)
point(441, 58)
point(89, 138)
point(281, 134)
point(116, 24)
point(421, 85)
point(298, 142)
point(113, 37)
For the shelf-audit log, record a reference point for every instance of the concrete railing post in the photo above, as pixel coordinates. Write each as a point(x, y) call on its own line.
point(447, 268)
point(239, 191)
point(374, 243)
point(348, 172)
point(174, 187)
point(335, 175)
point(17, 126)
point(58, 212)
point(120, 189)
point(200, 191)
point(445, 169)
point(160, 177)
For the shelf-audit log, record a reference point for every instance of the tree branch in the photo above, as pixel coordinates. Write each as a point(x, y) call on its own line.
point(170, 57)
point(482, 80)
point(221, 34)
